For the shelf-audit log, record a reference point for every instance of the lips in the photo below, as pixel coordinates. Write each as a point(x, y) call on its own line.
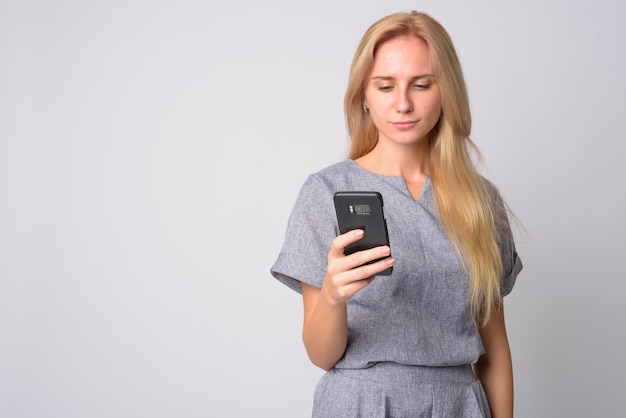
point(405, 124)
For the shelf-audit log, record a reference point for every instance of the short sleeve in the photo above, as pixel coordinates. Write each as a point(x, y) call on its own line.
point(511, 262)
point(508, 281)
point(310, 230)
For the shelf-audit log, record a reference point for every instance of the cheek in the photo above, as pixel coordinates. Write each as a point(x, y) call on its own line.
point(432, 112)
point(434, 107)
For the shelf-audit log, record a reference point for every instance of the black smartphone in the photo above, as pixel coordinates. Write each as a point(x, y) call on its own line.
point(363, 210)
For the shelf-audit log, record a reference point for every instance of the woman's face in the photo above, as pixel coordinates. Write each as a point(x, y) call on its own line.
point(402, 93)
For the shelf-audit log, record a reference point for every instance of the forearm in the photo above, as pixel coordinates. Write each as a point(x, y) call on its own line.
point(325, 332)
point(495, 368)
point(495, 372)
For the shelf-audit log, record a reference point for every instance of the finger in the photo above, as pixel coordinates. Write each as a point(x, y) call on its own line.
point(375, 268)
point(347, 273)
point(344, 267)
point(343, 240)
point(365, 256)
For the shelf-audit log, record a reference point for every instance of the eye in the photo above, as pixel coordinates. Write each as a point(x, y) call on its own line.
point(385, 88)
point(421, 86)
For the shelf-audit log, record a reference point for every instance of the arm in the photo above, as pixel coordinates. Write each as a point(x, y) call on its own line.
point(495, 367)
point(325, 329)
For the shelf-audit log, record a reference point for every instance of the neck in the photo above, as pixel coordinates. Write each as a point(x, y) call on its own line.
point(412, 162)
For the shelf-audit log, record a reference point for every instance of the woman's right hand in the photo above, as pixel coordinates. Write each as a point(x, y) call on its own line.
point(347, 275)
point(325, 331)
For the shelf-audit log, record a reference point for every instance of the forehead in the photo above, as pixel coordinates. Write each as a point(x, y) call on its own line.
point(400, 55)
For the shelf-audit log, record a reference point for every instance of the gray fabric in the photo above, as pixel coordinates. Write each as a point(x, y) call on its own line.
point(393, 390)
point(418, 316)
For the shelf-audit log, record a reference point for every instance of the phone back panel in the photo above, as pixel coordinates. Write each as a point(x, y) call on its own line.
point(362, 210)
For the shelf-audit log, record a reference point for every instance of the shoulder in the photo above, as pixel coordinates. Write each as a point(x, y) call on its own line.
point(336, 171)
point(319, 187)
point(334, 176)
point(490, 188)
point(494, 196)
point(501, 212)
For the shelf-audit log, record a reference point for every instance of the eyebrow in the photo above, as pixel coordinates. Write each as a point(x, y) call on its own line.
point(390, 78)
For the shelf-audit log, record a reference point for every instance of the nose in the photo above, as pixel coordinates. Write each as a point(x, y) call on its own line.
point(404, 103)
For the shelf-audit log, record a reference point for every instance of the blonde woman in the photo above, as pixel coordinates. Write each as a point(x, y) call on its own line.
point(429, 340)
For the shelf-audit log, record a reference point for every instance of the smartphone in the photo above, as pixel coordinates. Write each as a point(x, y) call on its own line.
point(363, 210)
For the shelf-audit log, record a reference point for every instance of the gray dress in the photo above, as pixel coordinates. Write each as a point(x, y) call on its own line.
point(411, 340)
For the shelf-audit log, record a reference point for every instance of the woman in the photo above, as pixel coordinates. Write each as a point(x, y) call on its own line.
point(430, 339)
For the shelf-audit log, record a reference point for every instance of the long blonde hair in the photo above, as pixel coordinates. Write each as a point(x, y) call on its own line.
point(465, 204)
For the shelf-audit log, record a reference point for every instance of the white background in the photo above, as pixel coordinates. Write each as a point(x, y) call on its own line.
point(150, 154)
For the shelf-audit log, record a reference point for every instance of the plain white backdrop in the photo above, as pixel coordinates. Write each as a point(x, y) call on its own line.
point(150, 154)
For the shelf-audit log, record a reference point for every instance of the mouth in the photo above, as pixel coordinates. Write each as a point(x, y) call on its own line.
point(405, 124)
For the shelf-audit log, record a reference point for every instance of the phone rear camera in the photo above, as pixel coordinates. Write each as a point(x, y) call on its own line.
point(360, 209)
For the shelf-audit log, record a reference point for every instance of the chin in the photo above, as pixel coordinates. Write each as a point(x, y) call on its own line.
point(413, 140)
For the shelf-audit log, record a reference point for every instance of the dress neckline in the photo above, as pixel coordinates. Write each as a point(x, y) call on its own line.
point(397, 180)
